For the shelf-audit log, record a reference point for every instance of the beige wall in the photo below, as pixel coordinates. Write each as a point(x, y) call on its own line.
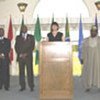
point(91, 7)
point(9, 7)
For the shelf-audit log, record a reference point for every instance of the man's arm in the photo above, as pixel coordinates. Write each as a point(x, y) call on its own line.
point(82, 56)
point(17, 49)
point(32, 45)
point(6, 50)
point(8, 47)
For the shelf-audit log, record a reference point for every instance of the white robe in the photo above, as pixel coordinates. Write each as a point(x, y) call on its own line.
point(91, 62)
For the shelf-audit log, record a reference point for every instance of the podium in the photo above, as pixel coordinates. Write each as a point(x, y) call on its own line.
point(56, 82)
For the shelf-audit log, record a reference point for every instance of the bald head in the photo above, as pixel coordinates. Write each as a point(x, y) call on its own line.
point(24, 29)
point(94, 31)
point(1, 32)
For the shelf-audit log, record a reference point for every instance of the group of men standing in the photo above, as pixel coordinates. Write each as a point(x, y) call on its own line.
point(24, 47)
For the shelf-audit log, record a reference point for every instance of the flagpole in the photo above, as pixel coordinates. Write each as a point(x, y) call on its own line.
point(23, 16)
point(80, 39)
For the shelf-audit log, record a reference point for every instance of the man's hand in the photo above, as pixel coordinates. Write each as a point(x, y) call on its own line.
point(2, 56)
point(81, 61)
point(23, 56)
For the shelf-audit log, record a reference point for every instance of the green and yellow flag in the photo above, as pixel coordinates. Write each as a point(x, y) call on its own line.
point(67, 34)
point(37, 31)
point(37, 35)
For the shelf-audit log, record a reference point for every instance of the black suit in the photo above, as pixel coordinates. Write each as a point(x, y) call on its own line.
point(25, 46)
point(5, 47)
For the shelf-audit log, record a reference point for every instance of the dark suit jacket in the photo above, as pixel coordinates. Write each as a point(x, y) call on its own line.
point(5, 47)
point(24, 46)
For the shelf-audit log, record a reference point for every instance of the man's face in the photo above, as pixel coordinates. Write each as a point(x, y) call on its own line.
point(24, 29)
point(1, 32)
point(93, 33)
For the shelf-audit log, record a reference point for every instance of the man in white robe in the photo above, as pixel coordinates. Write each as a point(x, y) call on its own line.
point(91, 60)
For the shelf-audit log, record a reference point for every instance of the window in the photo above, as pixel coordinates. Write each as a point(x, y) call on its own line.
point(60, 8)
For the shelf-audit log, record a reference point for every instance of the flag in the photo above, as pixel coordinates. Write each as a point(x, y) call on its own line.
point(37, 57)
point(37, 31)
point(10, 37)
point(37, 35)
point(67, 34)
point(22, 23)
point(96, 21)
point(80, 40)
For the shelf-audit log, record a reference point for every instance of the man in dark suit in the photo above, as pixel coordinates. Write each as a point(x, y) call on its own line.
point(5, 47)
point(24, 47)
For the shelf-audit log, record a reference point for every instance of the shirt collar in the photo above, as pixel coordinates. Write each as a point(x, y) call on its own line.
point(24, 35)
point(1, 38)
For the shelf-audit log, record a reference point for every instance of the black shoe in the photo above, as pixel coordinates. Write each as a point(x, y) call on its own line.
point(0, 88)
point(87, 90)
point(22, 89)
point(31, 89)
point(7, 89)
